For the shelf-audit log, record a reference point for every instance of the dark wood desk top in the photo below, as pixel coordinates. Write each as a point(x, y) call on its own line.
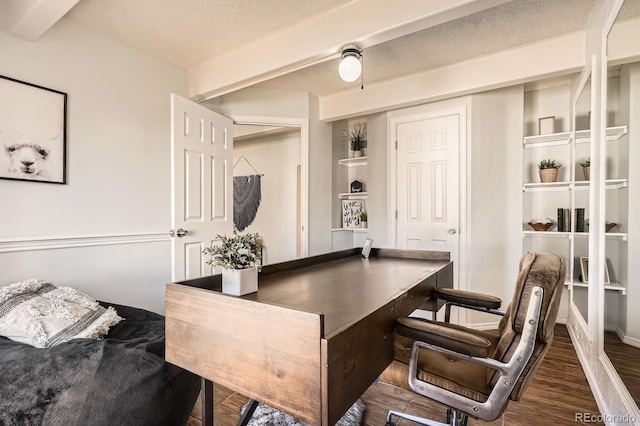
point(342, 286)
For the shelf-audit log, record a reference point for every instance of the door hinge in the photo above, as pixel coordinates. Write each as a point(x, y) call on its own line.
point(396, 145)
point(396, 214)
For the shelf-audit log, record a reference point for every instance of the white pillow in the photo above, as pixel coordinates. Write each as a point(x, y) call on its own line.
point(43, 315)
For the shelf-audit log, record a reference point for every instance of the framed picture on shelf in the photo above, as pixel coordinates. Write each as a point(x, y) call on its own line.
point(366, 248)
point(546, 125)
point(351, 210)
point(32, 132)
point(584, 269)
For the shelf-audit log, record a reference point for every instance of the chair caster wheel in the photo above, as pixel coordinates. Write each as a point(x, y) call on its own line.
point(389, 424)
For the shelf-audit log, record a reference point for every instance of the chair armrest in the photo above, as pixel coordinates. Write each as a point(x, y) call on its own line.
point(448, 336)
point(468, 298)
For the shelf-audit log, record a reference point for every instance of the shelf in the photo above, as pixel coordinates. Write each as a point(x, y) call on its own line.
point(546, 186)
point(613, 134)
point(615, 286)
point(353, 162)
point(583, 185)
point(547, 234)
point(347, 195)
point(547, 140)
point(349, 230)
point(609, 235)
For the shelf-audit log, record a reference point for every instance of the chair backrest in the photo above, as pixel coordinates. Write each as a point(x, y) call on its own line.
point(536, 269)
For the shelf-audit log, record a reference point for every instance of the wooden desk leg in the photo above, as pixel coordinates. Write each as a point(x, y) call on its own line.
point(207, 402)
point(246, 416)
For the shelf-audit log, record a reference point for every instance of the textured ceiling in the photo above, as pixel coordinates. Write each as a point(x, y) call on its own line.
point(503, 27)
point(186, 32)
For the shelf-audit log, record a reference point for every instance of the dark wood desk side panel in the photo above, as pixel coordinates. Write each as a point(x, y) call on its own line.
point(411, 254)
point(266, 352)
point(419, 296)
point(443, 279)
point(354, 359)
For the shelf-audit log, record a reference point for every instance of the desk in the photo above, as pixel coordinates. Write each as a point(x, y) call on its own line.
point(315, 336)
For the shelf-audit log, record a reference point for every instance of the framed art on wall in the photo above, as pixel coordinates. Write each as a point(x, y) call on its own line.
point(351, 210)
point(33, 132)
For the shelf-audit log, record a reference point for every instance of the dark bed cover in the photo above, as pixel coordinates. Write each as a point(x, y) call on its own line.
point(121, 380)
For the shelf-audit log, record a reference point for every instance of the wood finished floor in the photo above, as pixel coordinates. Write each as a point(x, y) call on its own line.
point(558, 391)
point(625, 359)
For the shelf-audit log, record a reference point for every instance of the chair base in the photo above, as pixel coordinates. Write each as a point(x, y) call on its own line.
point(454, 418)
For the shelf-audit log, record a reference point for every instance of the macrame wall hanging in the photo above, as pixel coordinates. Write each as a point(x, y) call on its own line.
point(246, 197)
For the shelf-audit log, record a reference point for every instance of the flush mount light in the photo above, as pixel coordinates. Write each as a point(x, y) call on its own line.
point(350, 67)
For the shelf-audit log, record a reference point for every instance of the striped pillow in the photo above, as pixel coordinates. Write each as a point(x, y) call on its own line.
point(43, 315)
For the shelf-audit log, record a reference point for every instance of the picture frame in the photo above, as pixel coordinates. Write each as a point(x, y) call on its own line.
point(546, 125)
point(351, 210)
point(33, 132)
point(584, 270)
point(366, 248)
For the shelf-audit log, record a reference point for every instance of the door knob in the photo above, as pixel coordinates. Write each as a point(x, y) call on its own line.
point(179, 233)
point(452, 230)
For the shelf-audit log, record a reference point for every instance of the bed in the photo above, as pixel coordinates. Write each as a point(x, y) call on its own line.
point(122, 379)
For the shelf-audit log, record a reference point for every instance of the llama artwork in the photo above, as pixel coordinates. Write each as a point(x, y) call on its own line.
point(23, 157)
point(32, 132)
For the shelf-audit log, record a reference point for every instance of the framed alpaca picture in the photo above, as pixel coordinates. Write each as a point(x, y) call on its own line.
point(33, 132)
point(351, 210)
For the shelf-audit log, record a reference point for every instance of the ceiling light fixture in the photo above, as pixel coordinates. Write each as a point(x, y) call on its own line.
point(350, 67)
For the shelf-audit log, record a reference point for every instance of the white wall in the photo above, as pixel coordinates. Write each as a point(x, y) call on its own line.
point(118, 170)
point(277, 158)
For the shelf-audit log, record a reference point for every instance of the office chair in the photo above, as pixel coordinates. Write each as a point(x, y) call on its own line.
point(475, 373)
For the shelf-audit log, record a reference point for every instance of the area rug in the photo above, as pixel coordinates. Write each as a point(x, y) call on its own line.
point(269, 416)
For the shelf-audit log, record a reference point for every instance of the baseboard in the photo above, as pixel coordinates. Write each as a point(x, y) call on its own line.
point(10, 245)
point(627, 340)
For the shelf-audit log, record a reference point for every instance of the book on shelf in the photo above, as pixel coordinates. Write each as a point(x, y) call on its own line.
point(580, 220)
point(567, 220)
point(560, 220)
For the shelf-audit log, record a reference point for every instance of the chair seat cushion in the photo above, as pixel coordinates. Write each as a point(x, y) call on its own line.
point(451, 373)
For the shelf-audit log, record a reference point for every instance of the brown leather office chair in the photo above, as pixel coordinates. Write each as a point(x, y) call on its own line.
point(473, 372)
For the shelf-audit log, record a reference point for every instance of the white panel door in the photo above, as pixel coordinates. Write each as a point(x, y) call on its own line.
point(427, 184)
point(201, 184)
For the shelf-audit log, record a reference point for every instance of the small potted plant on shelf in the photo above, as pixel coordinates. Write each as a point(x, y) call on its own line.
point(357, 138)
point(586, 168)
point(548, 170)
point(239, 256)
point(363, 219)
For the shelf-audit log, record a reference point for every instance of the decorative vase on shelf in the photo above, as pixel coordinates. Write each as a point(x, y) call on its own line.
point(238, 282)
point(363, 224)
point(548, 175)
point(548, 170)
point(587, 173)
point(357, 154)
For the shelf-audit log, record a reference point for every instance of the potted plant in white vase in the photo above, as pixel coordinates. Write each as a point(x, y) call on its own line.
point(548, 170)
point(239, 256)
point(363, 219)
point(357, 138)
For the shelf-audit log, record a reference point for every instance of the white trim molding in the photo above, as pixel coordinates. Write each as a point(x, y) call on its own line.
point(10, 245)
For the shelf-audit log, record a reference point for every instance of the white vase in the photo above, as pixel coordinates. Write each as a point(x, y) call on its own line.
point(238, 282)
point(357, 154)
point(363, 223)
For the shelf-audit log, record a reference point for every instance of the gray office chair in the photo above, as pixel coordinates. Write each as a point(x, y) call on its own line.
point(475, 373)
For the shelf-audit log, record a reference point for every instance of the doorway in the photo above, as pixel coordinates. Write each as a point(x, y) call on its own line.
point(272, 153)
point(427, 183)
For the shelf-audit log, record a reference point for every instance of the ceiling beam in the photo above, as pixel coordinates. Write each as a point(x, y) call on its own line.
point(323, 37)
point(30, 19)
